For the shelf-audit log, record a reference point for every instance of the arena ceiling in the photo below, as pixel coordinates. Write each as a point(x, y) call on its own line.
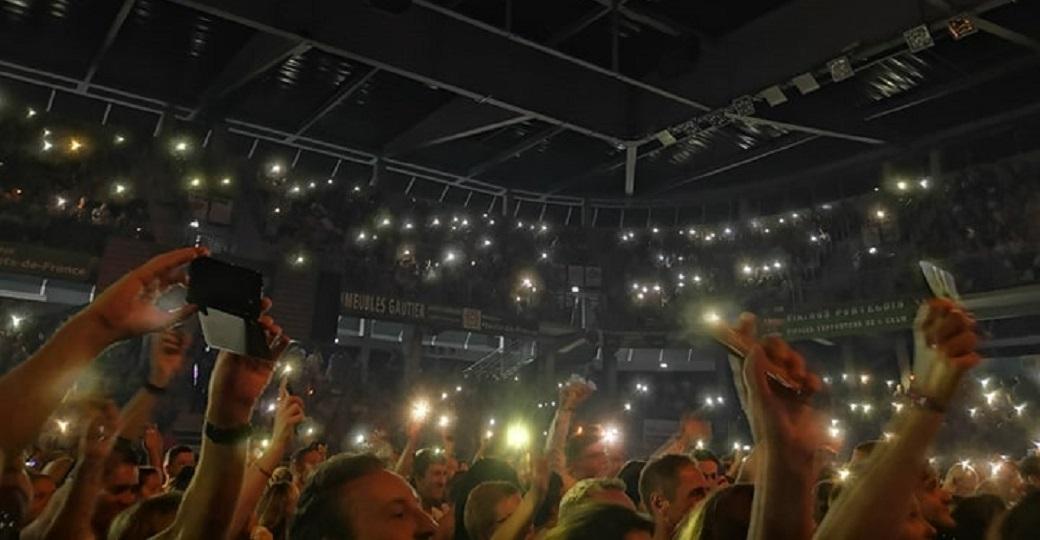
point(554, 99)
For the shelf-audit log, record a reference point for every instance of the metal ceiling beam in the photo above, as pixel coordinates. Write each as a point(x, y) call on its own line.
point(647, 19)
point(523, 145)
point(107, 42)
point(262, 53)
point(768, 53)
point(341, 94)
point(458, 118)
point(1006, 33)
point(446, 52)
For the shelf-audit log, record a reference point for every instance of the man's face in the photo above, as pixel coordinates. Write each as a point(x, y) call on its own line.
point(593, 462)
point(432, 485)
point(690, 490)
point(179, 462)
point(120, 493)
point(935, 503)
point(710, 470)
point(43, 488)
point(151, 486)
point(382, 506)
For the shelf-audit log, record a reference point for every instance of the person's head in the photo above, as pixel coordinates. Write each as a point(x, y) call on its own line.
point(488, 506)
point(485, 470)
point(1023, 521)
point(1029, 468)
point(176, 459)
point(961, 480)
point(603, 522)
point(587, 455)
point(304, 462)
point(149, 483)
point(281, 474)
point(934, 501)
point(119, 489)
point(975, 515)
point(43, 488)
point(355, 497)
point(862, 451)
point(725, 514)
point(430, 475)
point(146, 518)
point(594, 490)
point(709, 465)
point(629, 474)
point(276, 507)
point(670, 487)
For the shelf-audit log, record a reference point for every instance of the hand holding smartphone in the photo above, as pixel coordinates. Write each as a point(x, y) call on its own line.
point(229, 300)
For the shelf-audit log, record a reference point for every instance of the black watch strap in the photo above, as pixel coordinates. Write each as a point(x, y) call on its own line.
point(228, 436)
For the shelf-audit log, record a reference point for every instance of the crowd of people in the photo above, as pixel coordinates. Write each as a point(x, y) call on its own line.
point(77, 466)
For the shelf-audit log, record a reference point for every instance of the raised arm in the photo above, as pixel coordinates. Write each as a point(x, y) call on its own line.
point(166, 360)
point(691, 430)
point(572, 395)
point(945, 337)
point(235, 385)
point(127, 308)
point(411, 445)
point(74, 514)
point(288, 414)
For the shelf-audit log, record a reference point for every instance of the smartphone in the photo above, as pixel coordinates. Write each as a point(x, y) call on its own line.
point(229, 298)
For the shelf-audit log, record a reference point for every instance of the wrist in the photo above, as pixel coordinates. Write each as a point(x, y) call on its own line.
point(87, 328)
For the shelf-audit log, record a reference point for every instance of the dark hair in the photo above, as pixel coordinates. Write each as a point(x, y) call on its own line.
point(172, 453)
point(485, 470)
point(703, 454)
point(479, 520)
point(1022, 522)
point(661, 475)
point(973, 516)
point(145, 519)
point(318, 515)
point(629, 474)
point(423, 459)
point(183, 479)
point(1029, 466)
point(598, 521)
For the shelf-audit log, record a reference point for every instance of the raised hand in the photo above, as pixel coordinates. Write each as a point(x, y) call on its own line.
point(152, 439)
point(779, 391)
point(288, 414)
point(99, 436)
point(692, 428)
point(128, 307)
point(945, 341)
point(168, 347)
point(574, 393)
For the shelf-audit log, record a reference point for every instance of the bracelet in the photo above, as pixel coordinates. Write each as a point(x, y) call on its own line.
point(927, 403)
point(154, 389)
point(228, 436)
